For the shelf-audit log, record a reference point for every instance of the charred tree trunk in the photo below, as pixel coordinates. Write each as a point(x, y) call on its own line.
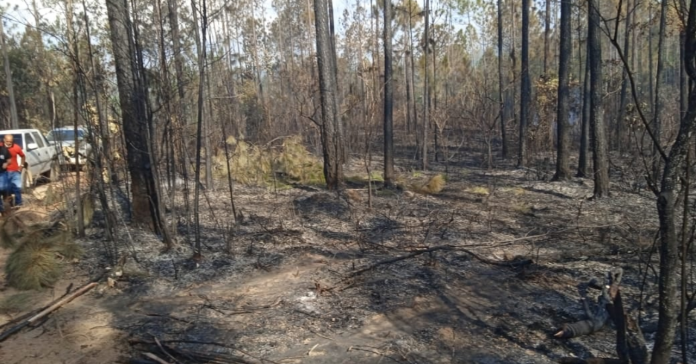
point(547, 31)
point(583, 162)
point(600, 157)
point(566, 50)
point(388, 99)
point(624, 84)
point(501, 82)
point(525, 92)
point(426, 87)
point(146, 201)
point(412, 78)
point(657, 114)
point(176, 47)
point(331, 143)
point(666, 207)
point(75, 63)
point(201, 42)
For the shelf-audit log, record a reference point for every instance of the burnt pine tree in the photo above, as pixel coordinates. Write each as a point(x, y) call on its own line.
point(426, 87)
point(330, 139)
point(657, 114)
point(600, 158)
point(624, 83)
point(667, 205)
point(583, 165)
point(388, 98)
point(566, 49)
point(146, 208)
point(501, 81)
point(526, 91)
point(547, 32)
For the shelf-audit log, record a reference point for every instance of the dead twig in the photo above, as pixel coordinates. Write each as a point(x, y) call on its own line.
point(156, 358)
point(373, 352)
point(165, 351)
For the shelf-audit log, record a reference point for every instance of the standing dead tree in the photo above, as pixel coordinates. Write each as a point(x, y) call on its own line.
point(146, 204)
point(330, 127)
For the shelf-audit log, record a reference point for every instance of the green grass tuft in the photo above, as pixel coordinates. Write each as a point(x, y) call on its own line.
point(32, 266)
point(17, 302)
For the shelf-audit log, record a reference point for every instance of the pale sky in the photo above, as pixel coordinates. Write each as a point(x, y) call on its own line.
point(18, 11)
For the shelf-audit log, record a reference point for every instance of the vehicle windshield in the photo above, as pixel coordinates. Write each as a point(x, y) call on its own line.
point(64, 135)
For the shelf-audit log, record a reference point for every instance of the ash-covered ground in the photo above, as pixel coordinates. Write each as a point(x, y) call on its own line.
point(287, 283)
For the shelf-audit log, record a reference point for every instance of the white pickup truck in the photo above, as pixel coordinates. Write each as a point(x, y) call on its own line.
point(41, 157)
point(63, 139)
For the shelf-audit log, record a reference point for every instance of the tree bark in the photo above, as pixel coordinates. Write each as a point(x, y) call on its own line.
point(566, 50)
point(426, 87)
point(331, 143)
point(547, 31)
point(525, 92)
point(624, 83)
point(75, 65)
point(146, 202)
point(666, 207)
point(501, 82)
point(388, 99)
point(412, 78)
point(583, 162)
point(200, 41)
point(176, 47)
point(601, 166)
point(657, 114)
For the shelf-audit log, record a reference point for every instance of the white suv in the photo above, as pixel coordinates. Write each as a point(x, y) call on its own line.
point(41, 157)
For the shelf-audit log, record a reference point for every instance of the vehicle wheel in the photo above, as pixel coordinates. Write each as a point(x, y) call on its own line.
point(54, 173)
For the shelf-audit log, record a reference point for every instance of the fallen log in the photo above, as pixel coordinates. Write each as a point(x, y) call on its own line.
point(48, 310)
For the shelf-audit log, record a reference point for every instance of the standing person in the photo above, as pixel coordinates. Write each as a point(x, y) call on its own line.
point(4, 161)
point(14, 169)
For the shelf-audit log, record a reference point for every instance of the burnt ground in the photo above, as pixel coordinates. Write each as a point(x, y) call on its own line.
point(283, 291)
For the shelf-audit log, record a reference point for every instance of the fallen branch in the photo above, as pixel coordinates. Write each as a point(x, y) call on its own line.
point(590, 361)
point(34, 312)
point(172, 351)
point(48, 310)
point(165, 351)
point(512, 263)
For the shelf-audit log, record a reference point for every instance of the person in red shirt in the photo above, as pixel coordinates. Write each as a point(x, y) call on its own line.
point(14, 169)
point(4, 161)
